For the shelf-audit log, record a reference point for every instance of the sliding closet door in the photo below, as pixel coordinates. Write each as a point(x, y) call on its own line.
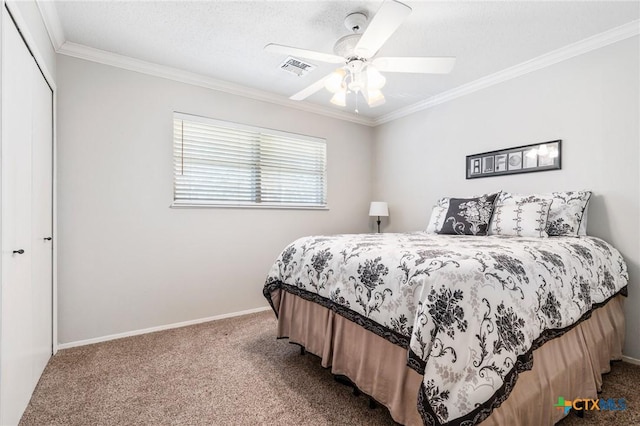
point(41, 217)
point(26, 292)
point(16, 344)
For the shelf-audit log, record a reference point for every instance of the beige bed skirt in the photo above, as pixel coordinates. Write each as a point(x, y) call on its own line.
point(570, 366)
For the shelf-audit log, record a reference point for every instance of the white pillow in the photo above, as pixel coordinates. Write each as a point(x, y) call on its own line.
point(438, 215)
point(521, 215)
point(567, 213)
point(582, 230)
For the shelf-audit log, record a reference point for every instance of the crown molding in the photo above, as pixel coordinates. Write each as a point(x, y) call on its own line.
point(52, 23)
point(55, 31)
point(56, 34)
point(120, 61)
point(583, 46)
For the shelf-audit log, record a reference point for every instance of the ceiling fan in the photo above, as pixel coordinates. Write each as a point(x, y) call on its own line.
point(361, 68)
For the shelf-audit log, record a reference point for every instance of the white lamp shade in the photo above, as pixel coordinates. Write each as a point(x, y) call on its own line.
point(334, 82)
point(375, 80)
point(340, 98)
point(378, 208)
point(375, 98)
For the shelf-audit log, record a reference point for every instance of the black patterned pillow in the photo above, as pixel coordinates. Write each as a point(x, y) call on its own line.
point(469, 216)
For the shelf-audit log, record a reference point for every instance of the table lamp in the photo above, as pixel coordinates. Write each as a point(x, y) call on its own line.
point(379, 208)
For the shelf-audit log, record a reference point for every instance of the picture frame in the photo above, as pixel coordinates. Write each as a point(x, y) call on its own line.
point(537, 157)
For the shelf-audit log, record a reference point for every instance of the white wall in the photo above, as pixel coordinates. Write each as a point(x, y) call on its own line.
point(591, 102)
point(126, 260)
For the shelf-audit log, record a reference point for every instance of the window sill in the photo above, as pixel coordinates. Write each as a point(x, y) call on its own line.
point(183, 205)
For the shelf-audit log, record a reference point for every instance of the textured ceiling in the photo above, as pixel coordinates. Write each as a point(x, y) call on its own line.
point(225, 39)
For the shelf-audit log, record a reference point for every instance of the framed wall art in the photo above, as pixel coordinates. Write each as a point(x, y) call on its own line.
point(536, 157)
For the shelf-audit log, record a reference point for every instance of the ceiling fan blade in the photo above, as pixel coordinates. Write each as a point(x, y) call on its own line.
point(310, 90)
point(427, 65)
point(304, 53)
point(385, 22)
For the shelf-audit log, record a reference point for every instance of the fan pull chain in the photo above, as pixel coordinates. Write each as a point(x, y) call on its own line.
point(357, 112)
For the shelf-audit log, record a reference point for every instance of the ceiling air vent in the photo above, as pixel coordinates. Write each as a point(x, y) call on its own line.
point(296, 66)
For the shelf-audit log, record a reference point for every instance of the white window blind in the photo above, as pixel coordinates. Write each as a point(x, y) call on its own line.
point(224, 163)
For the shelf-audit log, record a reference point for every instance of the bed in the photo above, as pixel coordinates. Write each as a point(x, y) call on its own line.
point(455, 329)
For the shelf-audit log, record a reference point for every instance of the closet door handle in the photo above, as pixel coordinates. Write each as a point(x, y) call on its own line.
point(47, 238)
point(18, 251)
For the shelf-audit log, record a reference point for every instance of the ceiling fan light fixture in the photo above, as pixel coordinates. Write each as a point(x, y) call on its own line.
point(339, 98)
point(375, 98)
point(355, 86)
point(334, 82)
point(375, 80)
point(362, 70)
point(357, 83)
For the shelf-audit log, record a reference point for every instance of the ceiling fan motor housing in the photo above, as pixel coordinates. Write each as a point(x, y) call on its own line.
point(355, 21)
point(346, 45)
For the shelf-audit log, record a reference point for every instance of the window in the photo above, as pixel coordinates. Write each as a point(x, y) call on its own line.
point(222, 163)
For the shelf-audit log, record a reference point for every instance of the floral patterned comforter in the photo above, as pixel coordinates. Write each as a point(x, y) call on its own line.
point(470, 310)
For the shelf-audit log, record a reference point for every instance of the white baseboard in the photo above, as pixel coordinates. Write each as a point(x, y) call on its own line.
point(158, 328)
point(77, 343)
point(631, 360)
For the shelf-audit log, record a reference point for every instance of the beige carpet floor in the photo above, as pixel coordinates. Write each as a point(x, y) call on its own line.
point(228, 372)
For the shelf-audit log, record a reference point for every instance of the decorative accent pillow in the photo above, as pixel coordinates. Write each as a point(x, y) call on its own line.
point(567, 213)
point(469, 216)
point(583, 223)
point(438, 214)
point(521, 215)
